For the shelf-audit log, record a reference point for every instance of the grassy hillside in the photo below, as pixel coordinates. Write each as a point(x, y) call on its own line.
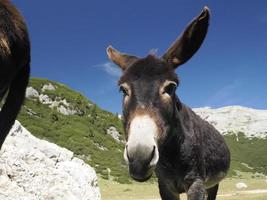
point(85, 133)
point(248, 155)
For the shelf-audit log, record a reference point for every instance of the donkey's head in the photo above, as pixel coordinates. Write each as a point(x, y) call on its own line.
point(149, 101)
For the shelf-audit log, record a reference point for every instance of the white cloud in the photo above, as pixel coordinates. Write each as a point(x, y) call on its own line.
point(153, 51)
point(111, 69)
point(227, 95)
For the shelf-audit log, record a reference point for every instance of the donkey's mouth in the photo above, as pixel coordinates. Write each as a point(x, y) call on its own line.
point(141, 176)
point(141, 160)
point(141, 170)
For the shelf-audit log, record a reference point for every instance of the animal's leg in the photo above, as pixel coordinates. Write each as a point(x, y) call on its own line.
point(196, 190)
point(13, 101)
point(212, 192)
point(2, 93)
point(166, 194)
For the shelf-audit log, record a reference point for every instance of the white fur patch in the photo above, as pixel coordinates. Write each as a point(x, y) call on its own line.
point(143, 130)
point(143, 134)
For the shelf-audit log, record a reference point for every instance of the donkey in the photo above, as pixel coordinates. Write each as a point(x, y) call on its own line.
point(187, 153)
point(14, 64)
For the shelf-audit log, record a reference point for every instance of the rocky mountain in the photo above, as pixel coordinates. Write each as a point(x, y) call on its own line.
point(245, 131)
point(36, 169)
point(237, 119)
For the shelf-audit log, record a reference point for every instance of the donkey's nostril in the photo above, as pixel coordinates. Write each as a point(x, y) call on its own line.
point(145, 156)
point(154, 157)
point(152, 154)
point(130, 160)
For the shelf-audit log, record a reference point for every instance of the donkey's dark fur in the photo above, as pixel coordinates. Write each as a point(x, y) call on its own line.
point(195, 153)
point(14, 64)
point(188, 154)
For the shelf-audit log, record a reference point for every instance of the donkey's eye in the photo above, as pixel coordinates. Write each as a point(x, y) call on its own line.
point(124, 91)
point(170, 89)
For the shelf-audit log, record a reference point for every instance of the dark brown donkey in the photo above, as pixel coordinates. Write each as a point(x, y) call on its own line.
point(14, 64)
point(188, 154)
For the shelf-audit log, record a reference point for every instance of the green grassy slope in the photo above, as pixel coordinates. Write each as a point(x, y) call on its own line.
point(82, 133)
point(248, 155)
point(85, 134)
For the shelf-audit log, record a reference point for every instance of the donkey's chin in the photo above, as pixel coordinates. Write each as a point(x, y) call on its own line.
point(141, 176)
point(141, 179)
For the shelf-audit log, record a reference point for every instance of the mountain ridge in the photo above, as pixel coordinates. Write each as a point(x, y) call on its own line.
point(236, 119)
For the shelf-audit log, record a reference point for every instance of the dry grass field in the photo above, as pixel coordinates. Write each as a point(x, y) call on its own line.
point(256, 190)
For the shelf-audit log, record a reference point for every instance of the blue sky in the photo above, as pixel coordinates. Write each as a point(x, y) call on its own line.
point(69, 41)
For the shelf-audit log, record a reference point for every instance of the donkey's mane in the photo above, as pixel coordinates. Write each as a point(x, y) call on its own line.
point(149, 68)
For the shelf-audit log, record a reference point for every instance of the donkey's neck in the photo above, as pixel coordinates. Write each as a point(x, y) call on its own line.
point(170, 150)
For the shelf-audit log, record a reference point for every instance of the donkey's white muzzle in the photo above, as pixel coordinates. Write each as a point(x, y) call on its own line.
point(141, 151)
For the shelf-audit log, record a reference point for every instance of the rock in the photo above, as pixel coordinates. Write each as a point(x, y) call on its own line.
point(66, 111)
point(114, 133)
point(101, 147)
point(45, 99)
point(58, 102)
point(31, 93)
point(241, 185)
point(54, 104)
point(30, 111)
point(64, 101)
point(120, 116)
point(48, 86)
point(61, 105)
point(32, 169)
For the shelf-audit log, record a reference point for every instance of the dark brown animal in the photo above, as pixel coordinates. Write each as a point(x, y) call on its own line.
point(188, 154)
point(14, 64)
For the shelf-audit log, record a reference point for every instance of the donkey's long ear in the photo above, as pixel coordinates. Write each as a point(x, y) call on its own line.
point(121, 59)
point(189, 42)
